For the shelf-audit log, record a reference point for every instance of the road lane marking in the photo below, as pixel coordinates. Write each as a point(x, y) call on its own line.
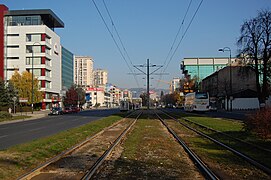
point(36, 129)
point(3, 136)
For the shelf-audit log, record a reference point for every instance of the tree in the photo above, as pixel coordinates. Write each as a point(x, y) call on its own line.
point(74, 96)
point(144, 98)
point(4, 101)
point(23, 85)
point(255, 47)
point(71, 98)
point(81, 95)
point(173, 98)
point(162, 94)
point(189, 84)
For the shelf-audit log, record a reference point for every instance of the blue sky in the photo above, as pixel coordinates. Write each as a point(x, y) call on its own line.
point(147, 29)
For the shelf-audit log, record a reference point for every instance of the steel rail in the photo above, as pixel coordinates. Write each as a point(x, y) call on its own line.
point(101, 159)
point(239, 140)
point(229, 136)
point(35, 171)
point(207, 172)
point(245, 157)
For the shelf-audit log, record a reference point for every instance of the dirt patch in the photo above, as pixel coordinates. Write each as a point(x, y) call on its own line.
point(76, 164)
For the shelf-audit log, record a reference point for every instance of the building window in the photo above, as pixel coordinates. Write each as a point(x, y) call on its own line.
point(37, 72)
point(13, 46)
point(24, 20)
point(28, 38)
point(12, 35)
point(48, 73)
point(48, 84)
point(48, 50)
point(13, 58)
point(28, 49)
point(36, 49)
point(47, 96)
point(33, 37)
point(48, 39)
point(48, 62)
point(36, 60)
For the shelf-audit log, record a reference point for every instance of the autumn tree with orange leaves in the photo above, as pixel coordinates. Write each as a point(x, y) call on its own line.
point(23, 84)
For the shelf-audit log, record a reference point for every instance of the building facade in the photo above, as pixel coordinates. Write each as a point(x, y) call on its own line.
point(29, 37)
point(126, 95)
point(230, 83)
point(175, 85)
point(100, 77)
point(67, 68)
point(83, 71)
point(203, 67)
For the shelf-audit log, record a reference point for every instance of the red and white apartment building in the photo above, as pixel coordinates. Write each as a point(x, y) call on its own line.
point(26, 36)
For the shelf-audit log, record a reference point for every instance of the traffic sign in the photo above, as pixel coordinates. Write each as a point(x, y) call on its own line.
point(23, 99)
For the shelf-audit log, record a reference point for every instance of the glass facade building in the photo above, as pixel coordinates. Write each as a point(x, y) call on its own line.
point(67, 68)
point(203, 67)
point(24, 20)
point(202, 71)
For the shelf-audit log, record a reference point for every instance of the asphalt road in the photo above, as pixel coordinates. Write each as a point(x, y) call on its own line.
point(25, 131)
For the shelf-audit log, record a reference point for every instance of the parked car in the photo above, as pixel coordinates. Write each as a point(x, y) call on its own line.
point(67, 110)
point(56, 111)
point(75, 109)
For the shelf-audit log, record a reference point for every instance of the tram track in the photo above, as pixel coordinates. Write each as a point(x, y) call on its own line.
point(204, 169)
point(155, 154)
point(83, 158)
point(98, 157)
point(98, 163)
point(263, 149)
point(247, 158)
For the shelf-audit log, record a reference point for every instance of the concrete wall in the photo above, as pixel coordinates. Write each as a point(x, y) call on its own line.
point(245, 103)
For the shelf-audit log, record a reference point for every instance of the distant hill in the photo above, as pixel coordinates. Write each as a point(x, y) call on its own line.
point(137, 91)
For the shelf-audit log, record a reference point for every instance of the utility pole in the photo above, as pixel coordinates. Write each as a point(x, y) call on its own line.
point(148, 73)
point(148, 84)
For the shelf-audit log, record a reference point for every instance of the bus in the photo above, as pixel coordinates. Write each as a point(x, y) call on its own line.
point(196, 101)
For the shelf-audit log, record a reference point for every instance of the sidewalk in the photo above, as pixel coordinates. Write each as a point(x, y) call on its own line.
point(35, 115)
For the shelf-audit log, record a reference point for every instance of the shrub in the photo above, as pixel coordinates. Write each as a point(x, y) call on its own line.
point(5, 115)
point(260, 123)
point(26, 109)
point(4, 108)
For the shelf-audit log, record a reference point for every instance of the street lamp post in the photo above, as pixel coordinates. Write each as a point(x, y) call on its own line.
point(14, 101)
point(32, 98)
point(96, 98)
point(223, 50)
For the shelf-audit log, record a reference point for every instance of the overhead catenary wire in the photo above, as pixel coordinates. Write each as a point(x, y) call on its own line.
point(174, 41)
point(114, 26)
point(122, 44)
point(178, 32)
point(183, 35)
point(112, 36)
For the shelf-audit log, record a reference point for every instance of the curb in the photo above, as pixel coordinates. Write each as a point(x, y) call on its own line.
point(33, 117)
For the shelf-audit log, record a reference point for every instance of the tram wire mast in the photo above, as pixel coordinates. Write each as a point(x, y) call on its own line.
point(148, 73)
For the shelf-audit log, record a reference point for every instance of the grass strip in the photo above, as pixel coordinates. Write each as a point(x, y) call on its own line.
point(231, 127)
point(151, 153)
point(21, 158)
point(235, 129)
point(225, 164)
point(14, 118)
